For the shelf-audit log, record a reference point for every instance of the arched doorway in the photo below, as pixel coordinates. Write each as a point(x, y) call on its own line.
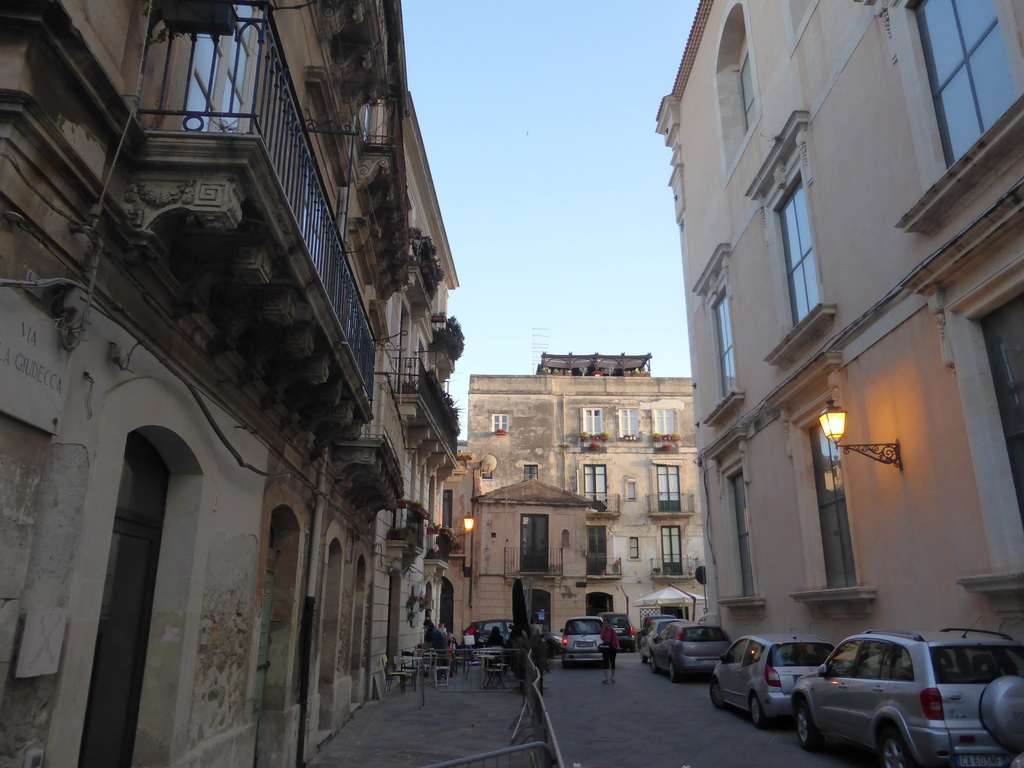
point(275, 689)
point(540, 608)
point(329, 635)
point(597, 602)
point(446, 610)
point(119, 661)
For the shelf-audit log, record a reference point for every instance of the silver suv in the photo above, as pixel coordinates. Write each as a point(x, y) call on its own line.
point(916, 698)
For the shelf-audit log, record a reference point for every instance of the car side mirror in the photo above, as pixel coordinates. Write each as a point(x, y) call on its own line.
point(723, 658)
point(823, 670)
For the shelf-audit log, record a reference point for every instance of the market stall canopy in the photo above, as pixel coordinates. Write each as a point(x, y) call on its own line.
point(668, 596)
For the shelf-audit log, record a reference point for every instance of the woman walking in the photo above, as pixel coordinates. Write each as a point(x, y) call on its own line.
point(609, 647)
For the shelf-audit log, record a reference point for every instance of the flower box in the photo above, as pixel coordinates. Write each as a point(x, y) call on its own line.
point(629, 438)
point(501, 431)
point(667, 447)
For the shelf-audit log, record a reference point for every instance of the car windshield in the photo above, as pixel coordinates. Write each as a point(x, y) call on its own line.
point(799, 654)
point(976, 663)
point(583, 627)
point(703, 635)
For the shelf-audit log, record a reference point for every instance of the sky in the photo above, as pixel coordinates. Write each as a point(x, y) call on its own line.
point(539, 118)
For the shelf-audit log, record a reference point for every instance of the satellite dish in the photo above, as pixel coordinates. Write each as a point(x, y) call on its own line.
point(488, 463)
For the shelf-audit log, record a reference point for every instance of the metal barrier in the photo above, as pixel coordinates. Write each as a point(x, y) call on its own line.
point(484, 670)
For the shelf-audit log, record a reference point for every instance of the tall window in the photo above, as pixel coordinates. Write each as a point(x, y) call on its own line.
point(220, 69)
point(531, 471)
point(595, 482)
point(671, 550)
point(739, 505)
point(499, 421)
point(629, 421)
point(1004, 337)
point(668, 489)
point(726, 364)
point(634, 548)
point(747, 92)
point(446, 508)
point(593, 420)
point(630, 489)
point(597, 550)
point(664, 422)
point(836, 545)
point(800, 269)
point(967, 68)
point(533, 541)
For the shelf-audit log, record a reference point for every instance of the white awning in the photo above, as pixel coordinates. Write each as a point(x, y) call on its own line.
point(671, 596)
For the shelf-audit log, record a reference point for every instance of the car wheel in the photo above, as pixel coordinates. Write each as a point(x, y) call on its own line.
point(565, 664)
point(674, 676)
point(715, 692)
point(643, 659)
point(654, 664)
point(893, 751)
point(757, 715)
point(806, 731)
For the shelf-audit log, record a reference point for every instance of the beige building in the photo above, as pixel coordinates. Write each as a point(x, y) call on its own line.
point(583, 484)
point(847, 182)
point(224, 288)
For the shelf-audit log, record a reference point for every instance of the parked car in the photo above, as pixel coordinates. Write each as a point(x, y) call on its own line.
point(580, 638)
point(623, 628)
point(480, 631)
point(645, 626)
point(758, 672)
point(687, 648)
point(553, 642)
point(916, 698)
point(653, 629)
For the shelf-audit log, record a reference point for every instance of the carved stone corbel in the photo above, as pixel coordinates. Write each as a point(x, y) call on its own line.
point(210, 203)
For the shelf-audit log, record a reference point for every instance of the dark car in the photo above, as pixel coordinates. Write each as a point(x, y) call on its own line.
point(478, 632)
point(623, 628)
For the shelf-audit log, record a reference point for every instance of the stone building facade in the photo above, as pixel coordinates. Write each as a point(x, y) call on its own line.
point(591, 493)
point(224, 287)
point(847, 184)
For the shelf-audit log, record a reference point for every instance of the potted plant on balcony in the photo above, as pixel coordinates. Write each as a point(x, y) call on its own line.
point(403, 503)
point(397, 533)
point(617, 565)
point(656, 571)
point(603, 435)
point(445, 532)
point(676, 436)
point(417, 508)
point(656, 436)
point(455, 547)
point(594, 446)
point(584, 435)
point(667, 447)
point(500, 431)
point(629, 438)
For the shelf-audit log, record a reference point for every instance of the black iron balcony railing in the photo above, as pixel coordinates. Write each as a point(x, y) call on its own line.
point(599, 564)
point(536, 561)
point(669, 503)
point(679, 565)
point(415, 379)
point(604, 503)
point(239, 84)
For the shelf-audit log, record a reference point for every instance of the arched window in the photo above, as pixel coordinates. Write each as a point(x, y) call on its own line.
point(738, 105)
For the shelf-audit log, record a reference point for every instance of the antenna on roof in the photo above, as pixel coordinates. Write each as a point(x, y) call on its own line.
point(539, 345)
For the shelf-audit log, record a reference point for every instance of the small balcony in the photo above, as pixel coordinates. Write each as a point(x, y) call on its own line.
point(533, 562)
point(665, 505)
point(680, 567)
point(603, 504)
point(428, 410)
point(600, 566)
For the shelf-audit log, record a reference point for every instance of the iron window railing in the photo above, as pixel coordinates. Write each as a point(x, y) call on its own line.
point(240, 85)
point(529, 560)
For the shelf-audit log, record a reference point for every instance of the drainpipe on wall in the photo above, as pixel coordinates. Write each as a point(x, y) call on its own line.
point(319, 504)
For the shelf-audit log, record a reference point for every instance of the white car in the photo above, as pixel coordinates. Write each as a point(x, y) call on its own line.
point(580, 638)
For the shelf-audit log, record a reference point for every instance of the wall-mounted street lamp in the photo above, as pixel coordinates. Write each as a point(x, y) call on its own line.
point(833, 424)
point(467, 524)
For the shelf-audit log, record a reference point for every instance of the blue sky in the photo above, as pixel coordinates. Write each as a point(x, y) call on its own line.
point(539, 125)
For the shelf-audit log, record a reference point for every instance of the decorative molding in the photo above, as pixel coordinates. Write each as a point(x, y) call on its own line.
point(783, 152)
point(731, 401)
point(210, 203)
point(814, 325)
point(1005, 592)
point(715, 271)
point(842, 603)
point(748, 607)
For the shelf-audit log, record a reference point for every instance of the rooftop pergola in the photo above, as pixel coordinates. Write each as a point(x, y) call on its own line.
point(595, 364)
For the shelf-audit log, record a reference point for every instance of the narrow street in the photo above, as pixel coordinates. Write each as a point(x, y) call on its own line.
point(645, 721)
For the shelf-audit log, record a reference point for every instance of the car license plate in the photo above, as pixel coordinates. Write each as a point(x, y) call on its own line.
point(584, 645)
point(969, 761)
point(708, 661)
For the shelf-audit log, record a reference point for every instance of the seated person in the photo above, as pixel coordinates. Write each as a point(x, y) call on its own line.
point(495, 638)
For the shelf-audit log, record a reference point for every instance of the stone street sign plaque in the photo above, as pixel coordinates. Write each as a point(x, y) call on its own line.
point(33, 365)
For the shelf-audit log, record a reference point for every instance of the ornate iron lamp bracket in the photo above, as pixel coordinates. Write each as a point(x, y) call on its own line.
point(884, 453)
